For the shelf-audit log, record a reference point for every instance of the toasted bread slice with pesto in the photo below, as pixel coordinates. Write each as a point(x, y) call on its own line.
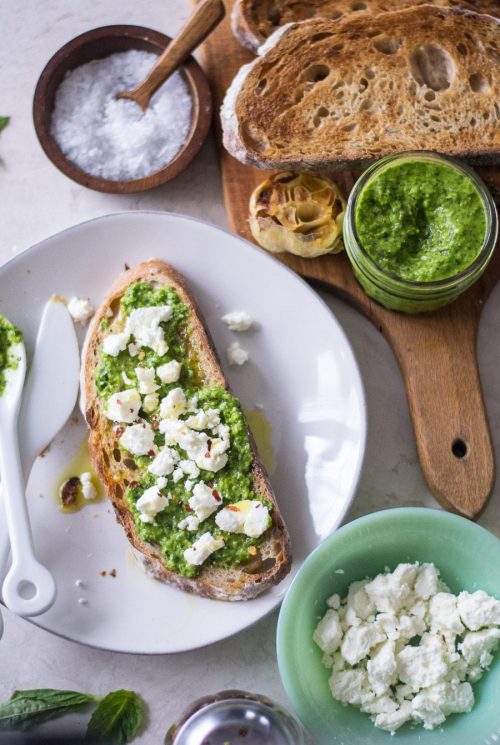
point(338, 94)
point(254, 21)
point(171, 445)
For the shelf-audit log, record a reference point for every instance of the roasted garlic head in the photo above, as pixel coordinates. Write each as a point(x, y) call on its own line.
point(298, 212)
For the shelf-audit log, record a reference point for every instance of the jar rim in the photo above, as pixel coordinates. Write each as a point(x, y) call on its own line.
point(434, 286)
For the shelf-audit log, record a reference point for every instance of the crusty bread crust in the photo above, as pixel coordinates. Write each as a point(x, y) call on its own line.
point(340, 94)
point(254, 21)
point(116, 470)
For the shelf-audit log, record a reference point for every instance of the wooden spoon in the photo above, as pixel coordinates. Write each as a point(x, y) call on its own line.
point(206, 16)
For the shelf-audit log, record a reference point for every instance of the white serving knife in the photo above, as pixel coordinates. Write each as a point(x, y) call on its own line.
point(49, 396)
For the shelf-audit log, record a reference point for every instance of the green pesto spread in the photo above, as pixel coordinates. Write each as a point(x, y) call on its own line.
point(421, 221)
point(9, 336)
point(233, 481)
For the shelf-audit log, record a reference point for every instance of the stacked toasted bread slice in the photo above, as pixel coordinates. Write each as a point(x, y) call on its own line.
point(338, 94)
point(253, 21)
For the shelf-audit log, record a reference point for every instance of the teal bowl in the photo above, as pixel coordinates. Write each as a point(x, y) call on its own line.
point(469, 559)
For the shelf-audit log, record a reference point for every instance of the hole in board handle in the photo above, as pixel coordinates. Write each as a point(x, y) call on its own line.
point(459, 448)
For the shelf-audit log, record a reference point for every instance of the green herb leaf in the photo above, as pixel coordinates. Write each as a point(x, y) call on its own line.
point(26, 709)
point(117, 718)
point(4, 120)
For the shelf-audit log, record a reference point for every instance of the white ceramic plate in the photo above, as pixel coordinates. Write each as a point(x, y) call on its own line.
point(301, 371)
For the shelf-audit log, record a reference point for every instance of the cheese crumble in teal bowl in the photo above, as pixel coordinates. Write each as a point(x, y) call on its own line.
point(467, 557)
point(420, 229)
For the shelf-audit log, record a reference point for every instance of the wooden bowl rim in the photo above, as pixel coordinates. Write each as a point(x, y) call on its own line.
point(200, 118)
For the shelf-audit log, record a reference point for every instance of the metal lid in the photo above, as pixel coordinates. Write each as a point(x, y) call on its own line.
point(239, 721)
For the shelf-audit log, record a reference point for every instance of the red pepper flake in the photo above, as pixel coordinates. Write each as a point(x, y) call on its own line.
point(216, 495)
point(209, 445)
point(154, 423)
point(118, 401)
point(134, 484)
point(102, 573)
point(151, 453)
point(119, 431)
point(112, 573)
point(188, 508)
point(233, 508)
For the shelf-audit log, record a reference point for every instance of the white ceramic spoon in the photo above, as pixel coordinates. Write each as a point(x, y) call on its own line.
point(29, 588)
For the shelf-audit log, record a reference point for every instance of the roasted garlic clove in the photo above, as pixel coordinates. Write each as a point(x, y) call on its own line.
point(301, 213)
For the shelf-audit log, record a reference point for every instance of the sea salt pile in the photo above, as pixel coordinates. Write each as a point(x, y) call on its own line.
point(114, 139)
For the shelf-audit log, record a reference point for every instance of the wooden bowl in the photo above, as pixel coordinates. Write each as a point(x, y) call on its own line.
point(101, 42)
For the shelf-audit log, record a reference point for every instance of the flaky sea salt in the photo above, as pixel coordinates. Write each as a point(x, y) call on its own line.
point(113, 138)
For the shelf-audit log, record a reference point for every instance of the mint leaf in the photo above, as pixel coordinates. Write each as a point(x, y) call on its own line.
point(117, 718)
point(4, 120)
point(26, 709)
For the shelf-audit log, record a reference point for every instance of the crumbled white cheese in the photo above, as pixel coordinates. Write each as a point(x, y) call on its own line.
point(80, 310)
point(205, 501)
point(177, 475)
point(173, 404)
point(191, 522)
point(150, 504)
point(202, 549)
point(113, 344)
point(169, 372)
point(123, 406)
point(236, 355)
point(237, 320)
point(146, 378)
point(204, 420)
point(144, 325)
point(138, 439)
point(89, 491)
point(402, 647)
point(150, 402)
point(250, 517)
point(478, 610)
point(190, 468)
point(163, 463)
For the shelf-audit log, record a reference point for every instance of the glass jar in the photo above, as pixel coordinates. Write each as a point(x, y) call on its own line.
point(235, 717)
point(393, 291)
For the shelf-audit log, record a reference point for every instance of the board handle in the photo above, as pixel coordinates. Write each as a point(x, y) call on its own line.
point(438, 359)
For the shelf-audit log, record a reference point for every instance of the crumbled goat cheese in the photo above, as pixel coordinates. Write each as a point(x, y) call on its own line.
point(89, 491)
point(191, 522)
point(113, 344)
point(250, 517)
point(169, 372)
point(80, 310)
point(146, 378)
point(163, 463)
point(150, 504)
point(139, 439)
point(205, 501)
point(173, 404)
point(402, 647)
point(150, 402)
point(202, 549)
point(144, 325)
point(123, 406)
point(237, 320)
point(236, 355)
point(113, 138)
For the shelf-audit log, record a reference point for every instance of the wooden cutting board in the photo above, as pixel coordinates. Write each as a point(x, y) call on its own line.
point(436, 351)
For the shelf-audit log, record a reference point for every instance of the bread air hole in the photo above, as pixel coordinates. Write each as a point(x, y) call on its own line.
point(431, 65)
point(359, 6)
point(320, 115)
point(478, 83)
point(430, 96)
point(386, 46)
point(253, 140)
point(117, 455)
point(462, 49)
point(316, 73)
point(315, 38)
